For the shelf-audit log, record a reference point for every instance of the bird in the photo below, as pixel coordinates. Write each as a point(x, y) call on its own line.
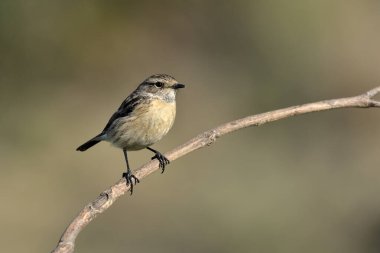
point(142, 119)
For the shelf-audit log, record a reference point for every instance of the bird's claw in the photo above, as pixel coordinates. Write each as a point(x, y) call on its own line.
point(162, 160)
point(129, 178)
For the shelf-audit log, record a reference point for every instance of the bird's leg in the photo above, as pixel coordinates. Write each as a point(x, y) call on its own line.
point(161, 159)
point(129, 177)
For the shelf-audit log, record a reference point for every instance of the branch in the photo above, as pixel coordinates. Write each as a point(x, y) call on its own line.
point(109, 196)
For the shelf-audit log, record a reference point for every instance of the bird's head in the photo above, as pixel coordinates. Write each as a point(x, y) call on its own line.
point(161, 85)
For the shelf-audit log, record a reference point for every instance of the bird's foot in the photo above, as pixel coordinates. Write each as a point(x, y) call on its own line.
point(162, 160)
point(129, 178)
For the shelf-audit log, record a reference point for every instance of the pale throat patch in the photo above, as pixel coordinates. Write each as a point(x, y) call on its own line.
point(169, 97)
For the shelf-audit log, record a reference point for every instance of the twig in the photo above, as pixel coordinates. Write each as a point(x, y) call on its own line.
point(109, 196)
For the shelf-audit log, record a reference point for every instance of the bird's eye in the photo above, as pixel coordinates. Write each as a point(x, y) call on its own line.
point(159, 84)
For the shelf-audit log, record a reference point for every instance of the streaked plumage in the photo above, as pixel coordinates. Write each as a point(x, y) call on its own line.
point(143, 118)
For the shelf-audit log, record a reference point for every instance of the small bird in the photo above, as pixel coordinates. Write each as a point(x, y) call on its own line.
point(143, 118)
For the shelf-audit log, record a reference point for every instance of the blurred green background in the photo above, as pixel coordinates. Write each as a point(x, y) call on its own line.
point(305, 184)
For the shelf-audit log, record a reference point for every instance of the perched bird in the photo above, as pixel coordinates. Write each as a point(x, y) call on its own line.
point(143, 118)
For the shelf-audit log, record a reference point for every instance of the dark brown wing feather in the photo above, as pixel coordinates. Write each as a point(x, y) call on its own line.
point(125, 109)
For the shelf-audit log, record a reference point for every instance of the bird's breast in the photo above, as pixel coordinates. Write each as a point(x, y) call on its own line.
point(146, 125)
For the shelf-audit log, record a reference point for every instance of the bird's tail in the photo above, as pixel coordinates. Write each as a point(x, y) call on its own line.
point(90, 143)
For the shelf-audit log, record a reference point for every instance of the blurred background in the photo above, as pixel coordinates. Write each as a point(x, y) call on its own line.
point(304, 184)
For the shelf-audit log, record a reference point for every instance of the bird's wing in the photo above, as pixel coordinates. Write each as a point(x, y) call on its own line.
point(125, 109)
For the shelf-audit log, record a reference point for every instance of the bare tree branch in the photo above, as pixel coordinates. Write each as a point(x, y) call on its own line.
point(109, 196)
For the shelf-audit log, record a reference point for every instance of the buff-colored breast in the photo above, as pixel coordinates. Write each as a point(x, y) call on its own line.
point(146, 125)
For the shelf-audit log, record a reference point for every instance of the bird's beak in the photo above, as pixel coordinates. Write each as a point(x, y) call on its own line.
point(178, 86)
